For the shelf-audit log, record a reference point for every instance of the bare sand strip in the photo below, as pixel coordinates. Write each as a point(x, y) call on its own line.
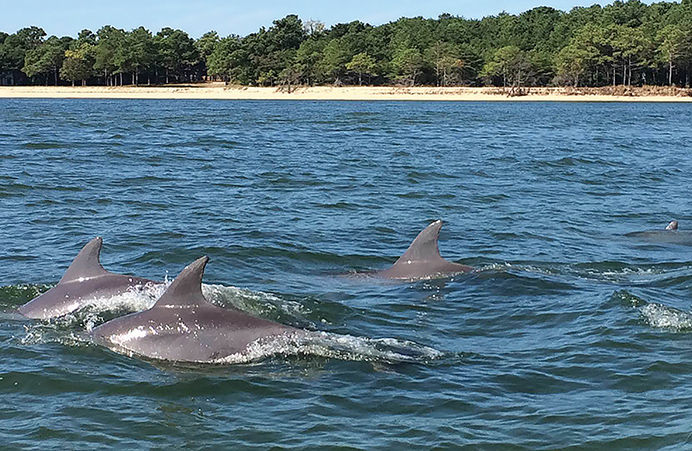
point(221, 92)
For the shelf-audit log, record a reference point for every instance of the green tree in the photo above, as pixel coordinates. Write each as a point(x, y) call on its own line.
point(573, 61)
point(510, 64)
point(445, 58)
point(176, 51)
point(333, 62)
point(632, 48)
point(407, 64)
point(290, 76)
point(205, 47)
point(46, 58)
point(135, 54)
point(584, 54)
point(229, 61)
point(361, 63)
point(309, 55)
point(13, 50)
point(674, 46)
point(109, 42)
point(78, 63)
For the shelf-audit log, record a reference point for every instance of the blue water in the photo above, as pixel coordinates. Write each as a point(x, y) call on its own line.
point(567, 334)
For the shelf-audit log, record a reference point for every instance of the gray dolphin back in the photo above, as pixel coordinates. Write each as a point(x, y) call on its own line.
point(670, 235)
point(183, 326)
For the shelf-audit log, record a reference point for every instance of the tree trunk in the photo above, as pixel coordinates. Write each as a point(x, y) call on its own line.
point(670, 72)
point(624, 74)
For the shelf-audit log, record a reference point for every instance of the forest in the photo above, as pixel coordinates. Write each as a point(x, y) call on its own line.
point(623, 43)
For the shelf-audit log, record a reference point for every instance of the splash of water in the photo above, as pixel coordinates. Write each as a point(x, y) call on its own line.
point(665, 317)
point(335, 346)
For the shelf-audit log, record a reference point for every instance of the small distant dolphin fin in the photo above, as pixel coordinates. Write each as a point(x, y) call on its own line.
point(86, 264)
point(672, 225)
point(186, 289)
point(424, 248)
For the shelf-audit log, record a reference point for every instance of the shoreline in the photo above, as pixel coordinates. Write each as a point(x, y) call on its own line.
point(218, 91)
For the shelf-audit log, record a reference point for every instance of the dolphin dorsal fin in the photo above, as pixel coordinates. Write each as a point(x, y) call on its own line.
point(424, 247)
point(86, 264)
point(186, 289)
point(672, 225)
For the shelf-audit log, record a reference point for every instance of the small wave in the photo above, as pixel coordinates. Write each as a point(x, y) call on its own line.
point(627, 298)
point(53, 333)
point(12, 296)
point(337, 206)
point(45, 145)
point(507, 267)
point(569, 161)
point(335, 346)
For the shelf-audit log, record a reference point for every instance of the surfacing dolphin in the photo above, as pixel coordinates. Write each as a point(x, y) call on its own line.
point(184, 327)
point(670, 234)
point(422, 259)
point(83, 282)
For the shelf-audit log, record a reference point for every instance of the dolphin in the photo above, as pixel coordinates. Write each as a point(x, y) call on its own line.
point(83, 282)
point(422, 259)
point(671, 234)
point(184, 327)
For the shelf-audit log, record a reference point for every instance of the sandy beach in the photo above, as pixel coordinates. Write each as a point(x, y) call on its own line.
point(222, 92)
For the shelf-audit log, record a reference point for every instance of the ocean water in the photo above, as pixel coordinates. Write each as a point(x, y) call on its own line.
point(567, 334)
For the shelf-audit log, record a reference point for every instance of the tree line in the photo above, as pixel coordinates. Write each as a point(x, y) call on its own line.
point(623, 43)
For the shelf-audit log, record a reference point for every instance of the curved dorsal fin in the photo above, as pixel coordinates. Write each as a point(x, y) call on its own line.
point(673, 225)
point(86, 264)
point(424, 247)
point(186, 289)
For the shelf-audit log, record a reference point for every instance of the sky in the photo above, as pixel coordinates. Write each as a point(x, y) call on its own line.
point(68, 17)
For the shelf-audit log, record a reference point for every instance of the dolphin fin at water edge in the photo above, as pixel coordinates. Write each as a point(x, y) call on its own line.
point(83, 282)
point(422, 259)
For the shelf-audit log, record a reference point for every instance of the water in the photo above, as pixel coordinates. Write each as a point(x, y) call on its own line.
point(568, 334)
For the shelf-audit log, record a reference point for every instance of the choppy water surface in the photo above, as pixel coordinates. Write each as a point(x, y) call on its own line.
point(569, 334)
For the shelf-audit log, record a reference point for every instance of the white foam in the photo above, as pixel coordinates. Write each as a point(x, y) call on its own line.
point(329, 345)
point(664, 317)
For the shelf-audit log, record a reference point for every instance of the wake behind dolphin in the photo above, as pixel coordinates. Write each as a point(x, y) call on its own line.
point(422, 259)
point(83, 282)
point(184, 327)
